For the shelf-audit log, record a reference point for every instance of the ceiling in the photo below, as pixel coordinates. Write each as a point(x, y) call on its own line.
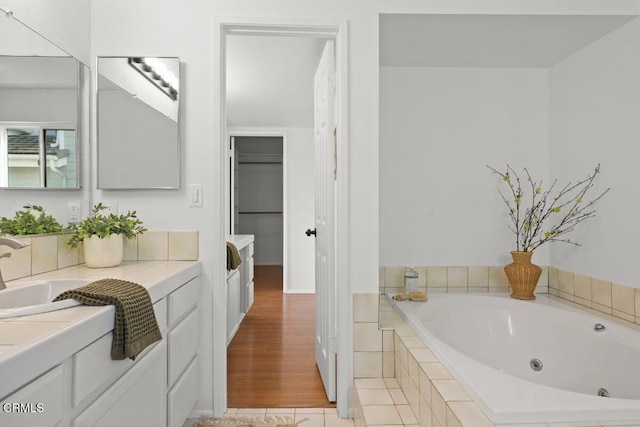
point(512, 41)
point(270, 80)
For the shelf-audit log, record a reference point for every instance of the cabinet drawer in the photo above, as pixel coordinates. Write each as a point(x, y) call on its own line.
point(39, 403)
point(183, 345)
point(93, 366)
point(182, 300)
point(183, 395)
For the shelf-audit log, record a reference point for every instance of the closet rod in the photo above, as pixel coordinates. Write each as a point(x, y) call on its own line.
point(259, 163)
point(260, 213)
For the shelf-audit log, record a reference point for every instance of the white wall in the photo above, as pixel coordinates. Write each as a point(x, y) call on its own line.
point(439, 129)
point(595, 104)
point(66, 23)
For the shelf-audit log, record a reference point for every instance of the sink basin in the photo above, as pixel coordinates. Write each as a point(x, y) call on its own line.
point(36, 297)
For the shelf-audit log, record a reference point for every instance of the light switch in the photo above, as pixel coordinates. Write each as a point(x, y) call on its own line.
point(195, 195)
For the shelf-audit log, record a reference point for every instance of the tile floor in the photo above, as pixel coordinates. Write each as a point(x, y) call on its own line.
point(317, 417)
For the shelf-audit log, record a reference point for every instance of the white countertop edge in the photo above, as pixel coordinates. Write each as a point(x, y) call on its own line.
point(32, 360)
point(241, 240)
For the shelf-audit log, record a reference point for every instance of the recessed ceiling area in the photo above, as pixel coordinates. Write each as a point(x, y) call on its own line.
point(501, 41)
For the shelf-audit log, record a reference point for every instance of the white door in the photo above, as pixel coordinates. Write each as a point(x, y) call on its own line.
point(324, 89)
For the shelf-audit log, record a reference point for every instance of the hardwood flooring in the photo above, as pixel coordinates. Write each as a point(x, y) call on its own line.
point(271, 361)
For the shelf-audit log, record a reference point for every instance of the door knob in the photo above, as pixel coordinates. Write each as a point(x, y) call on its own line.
point(309, 232)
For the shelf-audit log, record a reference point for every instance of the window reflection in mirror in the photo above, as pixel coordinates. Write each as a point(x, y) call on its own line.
point(38, 155)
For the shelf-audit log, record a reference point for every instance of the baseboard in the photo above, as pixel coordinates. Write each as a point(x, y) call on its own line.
point(301, 291)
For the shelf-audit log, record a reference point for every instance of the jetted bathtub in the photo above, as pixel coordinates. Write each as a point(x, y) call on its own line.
point(532, 361)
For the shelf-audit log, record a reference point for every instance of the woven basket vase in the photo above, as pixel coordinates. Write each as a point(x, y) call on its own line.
point(523, 275)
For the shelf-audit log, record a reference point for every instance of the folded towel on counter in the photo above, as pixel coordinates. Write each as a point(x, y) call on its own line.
point(233, 257)
point(135, 326)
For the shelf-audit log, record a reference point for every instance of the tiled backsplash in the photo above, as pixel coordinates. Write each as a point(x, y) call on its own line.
point(610, 298)
point(454, 279)
point(51, 252)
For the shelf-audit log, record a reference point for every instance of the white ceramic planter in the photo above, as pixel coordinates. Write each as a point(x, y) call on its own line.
point(105, 252)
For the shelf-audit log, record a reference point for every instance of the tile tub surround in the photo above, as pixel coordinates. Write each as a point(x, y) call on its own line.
point(433, 395)
point(620, 301)
point(372, 346)
point(49, 252)
point(454, 279)
point(31, 345)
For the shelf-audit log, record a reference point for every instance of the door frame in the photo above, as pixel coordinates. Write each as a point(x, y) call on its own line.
point(337, 29)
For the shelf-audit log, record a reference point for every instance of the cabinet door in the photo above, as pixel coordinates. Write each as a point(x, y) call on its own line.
point(233, 304)
point(183, 345)
point(183, 395)
point(137, 399)
point(39, 403)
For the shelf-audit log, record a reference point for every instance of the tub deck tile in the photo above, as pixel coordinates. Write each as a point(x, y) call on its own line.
point(467, 414)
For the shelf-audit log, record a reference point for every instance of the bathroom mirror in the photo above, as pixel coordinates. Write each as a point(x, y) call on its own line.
point(138, 123)
point(40, 110)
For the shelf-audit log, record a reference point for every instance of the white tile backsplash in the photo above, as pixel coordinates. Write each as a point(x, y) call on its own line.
point(49, 252)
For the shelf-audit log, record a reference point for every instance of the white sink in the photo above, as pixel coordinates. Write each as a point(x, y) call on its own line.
point(36, 297)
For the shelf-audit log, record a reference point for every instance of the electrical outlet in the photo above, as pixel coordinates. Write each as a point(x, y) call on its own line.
point(74, 211)
point(111, 208)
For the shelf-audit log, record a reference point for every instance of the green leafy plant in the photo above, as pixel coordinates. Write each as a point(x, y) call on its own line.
point(103, 225)
point(542, 216)
point(32, 220)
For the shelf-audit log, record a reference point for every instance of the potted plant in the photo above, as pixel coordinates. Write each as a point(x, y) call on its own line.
point(32, 220)
point(102, 236)
point(539, 216)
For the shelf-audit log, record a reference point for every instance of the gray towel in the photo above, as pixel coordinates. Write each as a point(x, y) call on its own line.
point(233, 257)
point(135, 326)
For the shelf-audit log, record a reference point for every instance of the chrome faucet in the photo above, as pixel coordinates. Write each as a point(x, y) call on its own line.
point(13, 244)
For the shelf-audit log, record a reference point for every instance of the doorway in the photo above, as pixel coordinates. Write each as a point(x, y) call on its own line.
point(258, 195)
point(273, 200)
point(331, 29)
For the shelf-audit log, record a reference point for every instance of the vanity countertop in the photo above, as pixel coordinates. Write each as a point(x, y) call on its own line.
point(241, 240)
point(31, 345)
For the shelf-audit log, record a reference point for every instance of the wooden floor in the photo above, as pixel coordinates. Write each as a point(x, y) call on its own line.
point(271, 362)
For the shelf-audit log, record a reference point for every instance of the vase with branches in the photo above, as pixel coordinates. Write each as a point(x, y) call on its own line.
point(539, 215)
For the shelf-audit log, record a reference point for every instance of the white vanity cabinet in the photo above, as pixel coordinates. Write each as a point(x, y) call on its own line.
point(89, 389)
point(182, 367)
point(240, 287)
